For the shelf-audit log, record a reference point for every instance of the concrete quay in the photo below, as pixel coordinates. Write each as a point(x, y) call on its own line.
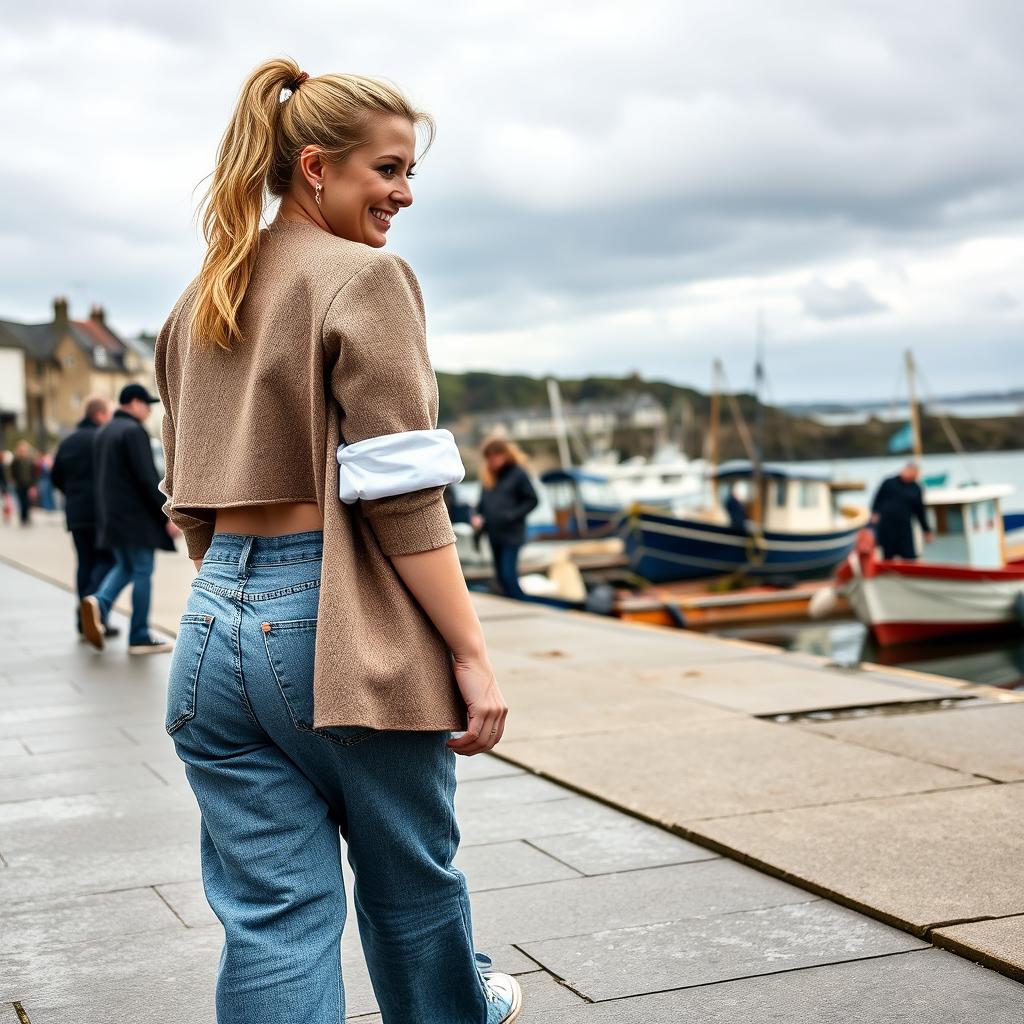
point(881, 836)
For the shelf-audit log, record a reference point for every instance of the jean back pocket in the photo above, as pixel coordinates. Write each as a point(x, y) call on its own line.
point(291, 651)
point(183, 676)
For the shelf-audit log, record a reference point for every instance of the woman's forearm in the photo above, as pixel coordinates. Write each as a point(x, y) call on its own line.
point(436, 581)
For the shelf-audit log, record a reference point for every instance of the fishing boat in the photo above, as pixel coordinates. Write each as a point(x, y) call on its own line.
point(699, 604)
point(968, 580)
point(796, 530)
point(963, 584)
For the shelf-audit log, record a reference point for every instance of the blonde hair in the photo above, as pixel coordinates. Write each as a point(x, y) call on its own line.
point(257, 156)
point(499, 446)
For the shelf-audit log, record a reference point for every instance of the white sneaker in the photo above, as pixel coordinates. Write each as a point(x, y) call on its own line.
point(504, 996)
point(151, 646)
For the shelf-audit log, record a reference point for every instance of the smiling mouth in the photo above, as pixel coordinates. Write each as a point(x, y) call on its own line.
point(384, 216)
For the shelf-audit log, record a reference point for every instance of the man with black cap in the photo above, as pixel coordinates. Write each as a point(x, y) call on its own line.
point(73, 474)
point(129, 520)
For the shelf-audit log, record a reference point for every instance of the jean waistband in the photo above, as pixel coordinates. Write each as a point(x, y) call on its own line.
point(251, 549)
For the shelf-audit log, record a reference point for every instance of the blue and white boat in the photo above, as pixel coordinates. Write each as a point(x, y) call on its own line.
point(802, 532)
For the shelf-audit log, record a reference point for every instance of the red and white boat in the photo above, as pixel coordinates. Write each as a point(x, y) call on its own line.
point(962, 585)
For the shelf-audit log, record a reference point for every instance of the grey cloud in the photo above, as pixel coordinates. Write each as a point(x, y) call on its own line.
point(587, 169)
point(835, 302)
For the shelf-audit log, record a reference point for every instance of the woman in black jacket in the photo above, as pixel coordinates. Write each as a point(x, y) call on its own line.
point(506, 498)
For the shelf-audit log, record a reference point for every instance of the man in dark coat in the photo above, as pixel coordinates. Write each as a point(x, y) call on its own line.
point(130, 520)
point(898, 502)
point(73, 474)
point(736, 510)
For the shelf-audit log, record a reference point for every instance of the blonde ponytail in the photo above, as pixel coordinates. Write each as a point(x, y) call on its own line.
point(257, 155)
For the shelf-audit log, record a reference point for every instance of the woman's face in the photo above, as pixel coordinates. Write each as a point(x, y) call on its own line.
point(495, 461)
point(363, 193)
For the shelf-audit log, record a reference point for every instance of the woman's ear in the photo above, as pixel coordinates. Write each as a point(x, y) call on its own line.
point(311, 165)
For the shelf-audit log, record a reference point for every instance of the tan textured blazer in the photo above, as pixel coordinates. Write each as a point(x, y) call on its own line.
point(333, 348)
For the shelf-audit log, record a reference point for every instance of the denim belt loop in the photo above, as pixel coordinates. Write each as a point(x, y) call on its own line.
point(243, 558)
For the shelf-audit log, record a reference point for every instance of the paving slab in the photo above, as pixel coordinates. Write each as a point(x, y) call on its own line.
point(84, 918)
point(626, 846)
point(93, 779)
point(778, 686)
point(998, 943)
point(524, 788)
point(987, 741)
point(67, 872)
point(722, 768)
point(490, 608)
point(918, 860)
point(581, 906)
point(500, 865)
point(483, 766)
point(164, 977)
point(926, 987)
point(16, 765)
point(608, 646)
point(187, 901)
point(490, 823)
point(614, 963)
point(556, 701)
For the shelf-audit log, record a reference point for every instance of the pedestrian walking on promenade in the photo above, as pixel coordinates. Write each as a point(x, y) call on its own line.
point(74, 474)
point(44, 484)
point(506, 498)
point(130, 521)
point(329, 648)
point(23, 476)
point(5, 487)
point(898, 502)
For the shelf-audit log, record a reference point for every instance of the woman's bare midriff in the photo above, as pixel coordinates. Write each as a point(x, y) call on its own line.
point(270, 520)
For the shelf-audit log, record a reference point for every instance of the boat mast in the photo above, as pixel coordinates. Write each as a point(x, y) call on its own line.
point(561, 431)
point(915, 414)
point(564, 455)
point(715, 416)
point(758, 497)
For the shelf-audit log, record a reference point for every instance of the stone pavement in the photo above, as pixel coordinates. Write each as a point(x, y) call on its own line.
point(606, 918)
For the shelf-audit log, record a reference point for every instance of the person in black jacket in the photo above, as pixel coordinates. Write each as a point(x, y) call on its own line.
point(73, 474)
point(506, 498)
point(130, 520)
point(23, 476)
point(898, 502)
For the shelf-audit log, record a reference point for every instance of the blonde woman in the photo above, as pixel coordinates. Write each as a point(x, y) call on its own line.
point(506, 498)
point(329, 650)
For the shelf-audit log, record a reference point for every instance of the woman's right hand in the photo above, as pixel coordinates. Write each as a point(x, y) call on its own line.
point(486, 707)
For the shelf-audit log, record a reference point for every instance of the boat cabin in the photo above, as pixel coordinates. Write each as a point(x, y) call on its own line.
point(967, 524)
point(795, 500)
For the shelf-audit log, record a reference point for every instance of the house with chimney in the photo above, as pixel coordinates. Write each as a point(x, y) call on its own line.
point(48, 370)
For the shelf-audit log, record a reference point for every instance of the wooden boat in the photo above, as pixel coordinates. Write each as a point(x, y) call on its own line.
point(695, 605)
point(963, 585)
point(796, 531)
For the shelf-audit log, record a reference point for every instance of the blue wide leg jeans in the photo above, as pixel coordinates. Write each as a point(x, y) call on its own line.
point(277, 796)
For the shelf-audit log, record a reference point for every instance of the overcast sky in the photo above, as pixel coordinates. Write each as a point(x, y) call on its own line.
point(614, 187)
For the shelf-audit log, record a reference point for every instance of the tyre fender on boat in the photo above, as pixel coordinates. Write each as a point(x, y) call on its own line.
point(822, 603)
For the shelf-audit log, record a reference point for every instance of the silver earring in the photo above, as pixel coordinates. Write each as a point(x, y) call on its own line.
point(317, 189)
